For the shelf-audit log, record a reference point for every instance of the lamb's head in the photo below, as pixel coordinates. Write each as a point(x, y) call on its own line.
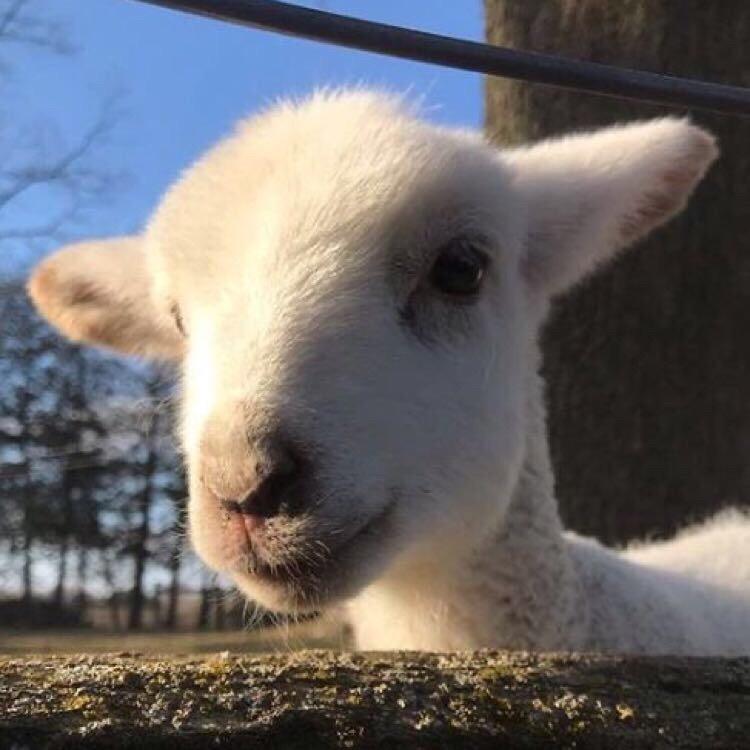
point(355, 296)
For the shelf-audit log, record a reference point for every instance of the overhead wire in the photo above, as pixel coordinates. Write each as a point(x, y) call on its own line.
point(464, 54)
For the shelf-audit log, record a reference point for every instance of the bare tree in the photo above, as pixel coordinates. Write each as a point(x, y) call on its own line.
point(33, 158)
point(47, 182)
point(98, 492)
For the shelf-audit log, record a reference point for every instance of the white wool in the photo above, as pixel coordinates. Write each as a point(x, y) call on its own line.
point(299, 254)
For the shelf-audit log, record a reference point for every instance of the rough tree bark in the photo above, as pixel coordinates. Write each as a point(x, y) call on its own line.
point(648, 363)
point(319, 700)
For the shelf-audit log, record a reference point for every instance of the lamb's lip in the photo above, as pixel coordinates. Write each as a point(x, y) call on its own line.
point(299, 571)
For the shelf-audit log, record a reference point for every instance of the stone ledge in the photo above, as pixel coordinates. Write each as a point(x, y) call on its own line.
point(318, 699)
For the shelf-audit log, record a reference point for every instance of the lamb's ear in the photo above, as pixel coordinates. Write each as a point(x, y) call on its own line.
point(589, 195)
point(99, 293)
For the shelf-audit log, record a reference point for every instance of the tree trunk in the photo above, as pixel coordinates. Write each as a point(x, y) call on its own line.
point(81, 598)
point(114, 611)
point(26, 574)
point(647, 363)
point(173, 593)
point(140, 555)
point(27, 579)
point(113, 600)
point(58, 598)
point(75, 391)
point(204, 607)
point(156, 608)
point(143, 532)
point(220, 613)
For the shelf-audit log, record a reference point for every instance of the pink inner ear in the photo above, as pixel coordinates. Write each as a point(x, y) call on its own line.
point(83, 293)
point(672, 190)
point(659, 204)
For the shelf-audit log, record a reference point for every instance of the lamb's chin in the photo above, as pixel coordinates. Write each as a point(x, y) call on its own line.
point(307, 586)
point(298, 591)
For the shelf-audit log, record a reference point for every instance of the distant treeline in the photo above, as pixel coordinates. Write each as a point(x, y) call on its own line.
point(92, 492)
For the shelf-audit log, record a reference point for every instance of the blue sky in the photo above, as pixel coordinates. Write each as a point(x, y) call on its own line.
point(186, 80)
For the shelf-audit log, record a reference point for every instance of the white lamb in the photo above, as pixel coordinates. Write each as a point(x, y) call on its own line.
point(356, 296)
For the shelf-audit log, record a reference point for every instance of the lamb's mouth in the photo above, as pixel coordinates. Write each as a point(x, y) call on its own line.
point(322, 576)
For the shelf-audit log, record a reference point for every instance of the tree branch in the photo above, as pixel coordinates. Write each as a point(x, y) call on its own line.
point(20, 27)
point(70, 173)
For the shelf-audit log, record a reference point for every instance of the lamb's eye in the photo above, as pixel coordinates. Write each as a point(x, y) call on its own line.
point(459, 269)
point(177, 318)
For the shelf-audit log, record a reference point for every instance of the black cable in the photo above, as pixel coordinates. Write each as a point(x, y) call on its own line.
point(552, 70)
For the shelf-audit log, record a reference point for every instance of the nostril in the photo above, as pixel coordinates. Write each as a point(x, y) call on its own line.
point(230, 506)
point(251, 521)
point(274, 475)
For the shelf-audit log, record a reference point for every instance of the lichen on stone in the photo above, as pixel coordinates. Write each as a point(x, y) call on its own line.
point(326, 699)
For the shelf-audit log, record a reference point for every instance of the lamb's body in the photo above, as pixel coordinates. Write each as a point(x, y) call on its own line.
point(359, 295)
point(597, 600)
point(647, 607)
point(689, 595)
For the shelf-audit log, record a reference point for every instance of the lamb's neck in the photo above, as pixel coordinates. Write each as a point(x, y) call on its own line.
point(527, 567)
point(519, 589)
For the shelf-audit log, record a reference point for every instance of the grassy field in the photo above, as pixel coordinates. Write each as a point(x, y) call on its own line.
point(315, 635)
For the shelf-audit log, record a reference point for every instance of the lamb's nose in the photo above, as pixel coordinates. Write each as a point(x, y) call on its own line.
point(260, 492)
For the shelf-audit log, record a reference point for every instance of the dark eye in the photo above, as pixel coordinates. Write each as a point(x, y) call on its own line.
point(459, 269)
point(177, 318)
